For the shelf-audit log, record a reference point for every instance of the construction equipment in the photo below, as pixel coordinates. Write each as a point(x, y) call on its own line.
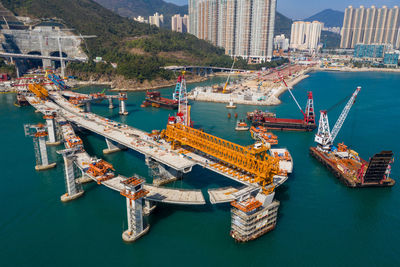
point(253, 160)
point(99, 167)
point(180, 95)
point(324, 136)
point(344, 162)
point(38, 90)
point(229, 75)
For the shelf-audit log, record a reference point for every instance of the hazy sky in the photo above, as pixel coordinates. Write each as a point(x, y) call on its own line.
point(299, 9)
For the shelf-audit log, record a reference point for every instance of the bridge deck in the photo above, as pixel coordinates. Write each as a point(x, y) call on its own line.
point(141, 142)
point(157, 194)
point(123, 134)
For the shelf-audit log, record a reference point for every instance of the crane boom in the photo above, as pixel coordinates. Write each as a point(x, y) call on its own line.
point(229, 75)
point(325, 137)
point(295, 100)
point(343, 115)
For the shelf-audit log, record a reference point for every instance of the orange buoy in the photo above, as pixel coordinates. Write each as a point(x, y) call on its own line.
point(229, 115)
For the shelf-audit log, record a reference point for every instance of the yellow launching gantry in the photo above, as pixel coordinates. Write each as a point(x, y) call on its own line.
point(252, 160)
point(38, 90)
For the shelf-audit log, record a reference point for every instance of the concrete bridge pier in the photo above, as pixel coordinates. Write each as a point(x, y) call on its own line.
point(88, 107)
point(42, 151)
point(149, 207)
point(46, 62)
point(51, 129)
point(162, 174)
point(111, 147)
point(122, 106)
point(134, 193)
point(74, 190)
point(110, 103)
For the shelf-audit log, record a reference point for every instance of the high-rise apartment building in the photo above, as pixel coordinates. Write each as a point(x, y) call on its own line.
point(156, 19)
point(306, 35)
point(281, 42)
point(179, 24)
point(244, 28)
point(371, 26)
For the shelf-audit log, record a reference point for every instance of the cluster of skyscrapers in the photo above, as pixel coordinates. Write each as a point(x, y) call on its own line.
point(306, 35)
point(371, 26)
point(245, 28)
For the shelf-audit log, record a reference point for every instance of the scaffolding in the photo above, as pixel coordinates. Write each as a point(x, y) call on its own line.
point(251, 219)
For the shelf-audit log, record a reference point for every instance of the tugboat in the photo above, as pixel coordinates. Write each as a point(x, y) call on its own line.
point(241, 125)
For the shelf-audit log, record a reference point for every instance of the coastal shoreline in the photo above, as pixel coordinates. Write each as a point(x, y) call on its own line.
point(272, 100)
point(357, 69)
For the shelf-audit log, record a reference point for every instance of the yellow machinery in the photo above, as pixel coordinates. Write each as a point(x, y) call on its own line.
point(229, 75)
point(38, 90)
point(252, 159)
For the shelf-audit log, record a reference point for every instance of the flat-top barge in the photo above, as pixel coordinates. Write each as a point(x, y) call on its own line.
point(345, 163)
point(154, 99)
point(354, 171)
point(270, 121)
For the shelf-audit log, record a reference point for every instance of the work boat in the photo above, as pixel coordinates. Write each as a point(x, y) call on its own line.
point(231, 105)
point(241, 126)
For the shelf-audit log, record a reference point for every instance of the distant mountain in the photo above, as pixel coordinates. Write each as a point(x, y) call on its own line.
point(144, 8)
point(330, 17)
point(283, 25)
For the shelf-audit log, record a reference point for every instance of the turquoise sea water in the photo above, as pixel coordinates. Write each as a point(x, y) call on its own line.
point(321, 222)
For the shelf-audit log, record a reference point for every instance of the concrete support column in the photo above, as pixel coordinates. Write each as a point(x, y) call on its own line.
point(149, 207)
point(73, 189)
point(51, 129)
point(134, 194)
point(122, 106)
point(161, 173)
point(46, 62)
point(111, 147)
point(88, 107)
point(110, 103)
point(44, 160)
point(43, 151)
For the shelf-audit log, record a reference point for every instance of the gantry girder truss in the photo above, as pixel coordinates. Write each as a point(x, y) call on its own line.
point(256, 162)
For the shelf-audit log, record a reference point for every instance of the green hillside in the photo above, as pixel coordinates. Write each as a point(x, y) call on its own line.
point(145, 8)
point(114, 34)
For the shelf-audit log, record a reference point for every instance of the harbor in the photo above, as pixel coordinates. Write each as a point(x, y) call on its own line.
point(309, 191)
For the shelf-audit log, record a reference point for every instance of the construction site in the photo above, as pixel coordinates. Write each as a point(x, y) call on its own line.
point(261, 88)
point(169, 155)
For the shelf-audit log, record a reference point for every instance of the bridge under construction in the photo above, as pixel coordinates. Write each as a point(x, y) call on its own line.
point(169, 155)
